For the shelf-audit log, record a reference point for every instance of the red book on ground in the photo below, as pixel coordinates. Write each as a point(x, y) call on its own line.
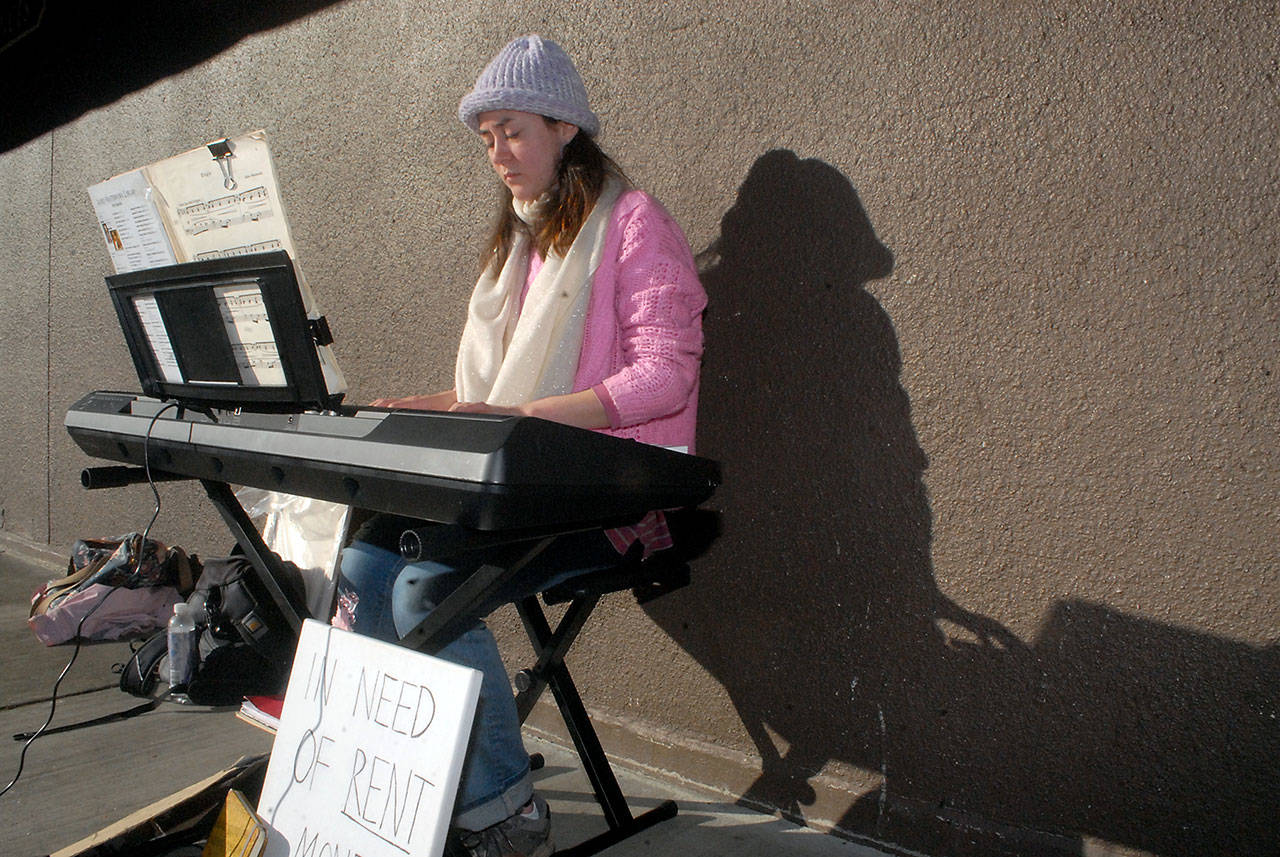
point(262, 711)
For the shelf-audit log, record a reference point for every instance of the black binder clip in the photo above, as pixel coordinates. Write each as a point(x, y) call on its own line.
point(320, 330)
point(221, 152)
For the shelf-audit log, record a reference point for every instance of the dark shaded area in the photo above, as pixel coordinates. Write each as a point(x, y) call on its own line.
point(818, 610)
point(82, 56)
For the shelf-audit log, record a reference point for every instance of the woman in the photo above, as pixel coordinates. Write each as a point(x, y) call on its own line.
point(588, 312)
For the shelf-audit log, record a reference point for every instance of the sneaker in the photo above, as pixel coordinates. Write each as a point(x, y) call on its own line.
point(525, 834)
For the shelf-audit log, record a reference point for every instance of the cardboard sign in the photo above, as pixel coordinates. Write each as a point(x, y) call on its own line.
point(369, 750)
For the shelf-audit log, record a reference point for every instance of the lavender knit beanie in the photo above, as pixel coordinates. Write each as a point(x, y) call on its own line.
point(533, 75)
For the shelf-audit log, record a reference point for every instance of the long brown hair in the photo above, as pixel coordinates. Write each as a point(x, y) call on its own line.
point(580, 178)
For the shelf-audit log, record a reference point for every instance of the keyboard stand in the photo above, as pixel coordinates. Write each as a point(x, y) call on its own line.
point(648, 579)
point(265, 561)
point(270, 574)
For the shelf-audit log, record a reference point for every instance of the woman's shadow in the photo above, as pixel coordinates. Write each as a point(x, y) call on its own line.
point(817, 602)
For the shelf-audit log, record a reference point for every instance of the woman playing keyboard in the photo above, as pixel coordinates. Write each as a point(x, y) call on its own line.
point(587, 312)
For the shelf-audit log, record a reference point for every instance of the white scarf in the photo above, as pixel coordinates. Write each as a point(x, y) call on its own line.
point(510, 355)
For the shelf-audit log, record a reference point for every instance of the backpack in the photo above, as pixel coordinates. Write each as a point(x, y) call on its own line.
point(246, 645)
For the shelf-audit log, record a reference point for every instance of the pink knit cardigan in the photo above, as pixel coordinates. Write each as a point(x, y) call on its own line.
point(642, 340)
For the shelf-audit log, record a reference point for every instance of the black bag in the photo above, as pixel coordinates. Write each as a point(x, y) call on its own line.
point(246, 645)
point(142, 674)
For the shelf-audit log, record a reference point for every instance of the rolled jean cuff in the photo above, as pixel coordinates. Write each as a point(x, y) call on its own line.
point(498, 808)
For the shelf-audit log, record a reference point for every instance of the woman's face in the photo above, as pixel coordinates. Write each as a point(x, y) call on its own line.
point(524, 149)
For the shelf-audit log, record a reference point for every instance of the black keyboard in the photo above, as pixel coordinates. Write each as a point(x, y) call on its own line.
point(482, 471)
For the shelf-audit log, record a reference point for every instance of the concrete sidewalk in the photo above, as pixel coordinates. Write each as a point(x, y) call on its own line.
point(77, 782)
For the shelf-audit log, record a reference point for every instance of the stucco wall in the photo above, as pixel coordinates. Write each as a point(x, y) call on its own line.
point(24, 331)
point(990, 357)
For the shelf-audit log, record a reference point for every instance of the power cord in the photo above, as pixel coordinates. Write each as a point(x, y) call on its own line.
point(75, 653)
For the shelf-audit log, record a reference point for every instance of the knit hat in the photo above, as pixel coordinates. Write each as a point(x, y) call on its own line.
point(533, 75)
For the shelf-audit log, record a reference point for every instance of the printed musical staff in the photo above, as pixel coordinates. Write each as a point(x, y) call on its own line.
point(248, 324)
point(225, 211)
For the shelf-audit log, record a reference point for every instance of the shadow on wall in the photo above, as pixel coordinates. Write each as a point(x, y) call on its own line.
point(818, 611)
point(65, 59)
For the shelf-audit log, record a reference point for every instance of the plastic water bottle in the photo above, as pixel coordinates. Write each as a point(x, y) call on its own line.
point(182, 645)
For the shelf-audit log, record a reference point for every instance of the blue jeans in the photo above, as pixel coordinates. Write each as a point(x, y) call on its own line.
point(385, 596)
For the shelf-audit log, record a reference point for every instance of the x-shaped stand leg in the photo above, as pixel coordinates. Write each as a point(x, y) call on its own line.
point(550, 671)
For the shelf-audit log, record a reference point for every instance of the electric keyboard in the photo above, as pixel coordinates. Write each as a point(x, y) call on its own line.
point(482, 471)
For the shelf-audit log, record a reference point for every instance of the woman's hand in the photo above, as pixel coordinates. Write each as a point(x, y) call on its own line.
point(433, 402)
point(582, 409)
point(485, 408)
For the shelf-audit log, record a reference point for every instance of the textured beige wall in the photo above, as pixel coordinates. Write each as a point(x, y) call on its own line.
point(991, 346)
point(24, 332)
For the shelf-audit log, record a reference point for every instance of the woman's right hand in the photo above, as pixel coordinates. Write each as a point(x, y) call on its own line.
point(434, 402)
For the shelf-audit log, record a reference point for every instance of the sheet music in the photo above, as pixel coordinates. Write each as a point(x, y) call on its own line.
point(215, 201)
point(222, 207)
point(158, 338)
point(194, 206)
point(131, 223)
point(244, 314)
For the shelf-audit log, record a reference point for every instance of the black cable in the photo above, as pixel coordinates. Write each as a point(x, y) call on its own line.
point(75, 653)
point(149, 705)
